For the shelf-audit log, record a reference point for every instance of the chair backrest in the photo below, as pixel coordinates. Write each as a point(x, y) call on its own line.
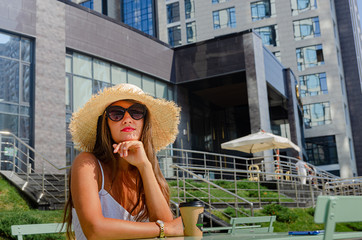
point(29, 229)
point(252, 220)
point(333, 209)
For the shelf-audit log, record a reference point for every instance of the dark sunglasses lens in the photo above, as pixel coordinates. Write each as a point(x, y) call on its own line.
point(137, 111)
point(116, 113)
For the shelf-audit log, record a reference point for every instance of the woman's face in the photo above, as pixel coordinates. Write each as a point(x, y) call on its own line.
point(127, 129)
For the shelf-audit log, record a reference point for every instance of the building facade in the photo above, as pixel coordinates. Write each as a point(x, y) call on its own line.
point(318, 40)
point(55, 54)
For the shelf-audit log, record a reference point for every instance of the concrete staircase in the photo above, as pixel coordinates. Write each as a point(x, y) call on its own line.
point(53, 196)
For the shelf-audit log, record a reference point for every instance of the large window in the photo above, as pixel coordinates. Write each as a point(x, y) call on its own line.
point(191, 32)
point(174, 36)
point(317, 114)
point(299, 6)
point(306, 28)
point(86, 75)
point(313, 84)
point(88, 4)
point(224, 18)
point(139, 14)
point(262, 9)
point(310, 56)
point(269, 35)
point(16, 82)
point(189, 9)
point(321, 150)
point(173, 12)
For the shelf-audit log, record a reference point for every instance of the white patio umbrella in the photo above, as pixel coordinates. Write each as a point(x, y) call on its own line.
point(260, 141)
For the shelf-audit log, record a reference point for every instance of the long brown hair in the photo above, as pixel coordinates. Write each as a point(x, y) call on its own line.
point(103, 151)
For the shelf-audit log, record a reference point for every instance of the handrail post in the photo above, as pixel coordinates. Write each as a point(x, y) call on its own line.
point(14, 153)
point(209, 200)
point(296, 191)
point(220, 160)
point(205, 165)
point(178, 184)
point(278, 188)
point(184, 185)
point(259, 194)
point(43, 179)
point(311, 191)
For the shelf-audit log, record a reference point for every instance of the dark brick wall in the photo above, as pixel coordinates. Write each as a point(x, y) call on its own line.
point(353, 86)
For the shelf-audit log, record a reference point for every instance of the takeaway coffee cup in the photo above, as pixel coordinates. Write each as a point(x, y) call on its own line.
point(192, 214)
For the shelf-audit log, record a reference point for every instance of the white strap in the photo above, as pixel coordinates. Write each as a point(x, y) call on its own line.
point(100, 165)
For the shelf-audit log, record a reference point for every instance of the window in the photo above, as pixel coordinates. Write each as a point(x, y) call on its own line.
point(191, 32)
point(174, 36)
point(321, 150)
point(278, 56)
point(262, 9)
point(306, 28)
point(16, 82)
point(189, 9)
point(313, 84)
point(88, 4)
point(173, 12)
point(317, 114)
point(269, 35)
point(224, 18)
point(310, 56)
point(299, 6)
point(139, 14)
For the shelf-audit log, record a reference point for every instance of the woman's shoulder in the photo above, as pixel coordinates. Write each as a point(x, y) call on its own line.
point(85, 159)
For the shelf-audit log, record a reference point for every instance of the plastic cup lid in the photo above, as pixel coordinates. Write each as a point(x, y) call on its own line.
point(192, 204)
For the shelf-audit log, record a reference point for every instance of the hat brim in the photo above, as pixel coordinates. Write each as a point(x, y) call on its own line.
point(164, 116)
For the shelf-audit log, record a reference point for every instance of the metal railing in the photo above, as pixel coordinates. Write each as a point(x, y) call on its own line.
point(17, 157)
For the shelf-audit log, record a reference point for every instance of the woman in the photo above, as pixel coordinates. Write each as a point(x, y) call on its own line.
point(117, 190)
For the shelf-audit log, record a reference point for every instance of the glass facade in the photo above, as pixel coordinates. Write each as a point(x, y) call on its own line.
point(189, 9)
point(306, 28)
point(299, 6)
point(321, 150)
point(313, 84)
point(87, 75)
point(16, 83)
point(269, 35)
point(191, 32)
point(139, 14)
point(174, 36)
point(309, 56)
point(173, 12)
point(262, 9)
point(224, 18)
point(317, 114)
point(88, 4)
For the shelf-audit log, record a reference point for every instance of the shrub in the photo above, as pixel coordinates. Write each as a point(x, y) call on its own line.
point(282, 214)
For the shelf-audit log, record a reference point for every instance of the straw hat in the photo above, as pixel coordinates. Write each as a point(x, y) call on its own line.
point(164, 116)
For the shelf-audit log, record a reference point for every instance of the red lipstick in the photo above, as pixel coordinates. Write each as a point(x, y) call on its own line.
point(128, 129)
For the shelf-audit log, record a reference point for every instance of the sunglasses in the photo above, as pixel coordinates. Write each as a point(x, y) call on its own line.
point(136, 111)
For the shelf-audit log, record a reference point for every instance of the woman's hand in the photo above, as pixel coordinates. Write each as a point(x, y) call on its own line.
point(132, 151)
point(174, 228)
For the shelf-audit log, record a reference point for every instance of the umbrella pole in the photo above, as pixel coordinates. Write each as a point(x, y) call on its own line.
point(278, 159)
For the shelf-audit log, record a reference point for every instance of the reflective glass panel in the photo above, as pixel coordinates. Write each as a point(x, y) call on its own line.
point(173, 12)
point(68, 64)
point(189, 9)
point(135, 78)
point(191, 32)
point(9, 123)
point(99, 85)
point(82, 91)
point(161, 90)
point(26, 83)
point(101, 70)
point(82, 65)
point(9, 45)
point(9, 108)
point(24, 131)
point(25, 50)
point(9, 80)
point(119, 75)
point(149, 85)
